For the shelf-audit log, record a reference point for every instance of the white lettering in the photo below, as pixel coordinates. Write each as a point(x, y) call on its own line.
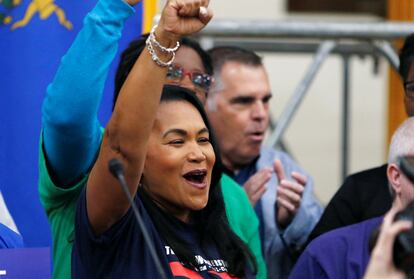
point(169, 251)
point(3, 272)
point(199, 259)
point(217, 265)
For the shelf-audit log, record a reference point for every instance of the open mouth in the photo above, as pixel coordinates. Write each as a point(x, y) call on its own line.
point(196, 176)
point(257, 136)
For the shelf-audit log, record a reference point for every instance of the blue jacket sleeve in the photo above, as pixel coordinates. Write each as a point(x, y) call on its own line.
point(70, 126)
point(277, 242)
point(308, 214)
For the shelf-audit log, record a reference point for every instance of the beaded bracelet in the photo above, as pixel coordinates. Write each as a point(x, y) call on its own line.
point(164, 49)
point(152, 40)
point(155, 57)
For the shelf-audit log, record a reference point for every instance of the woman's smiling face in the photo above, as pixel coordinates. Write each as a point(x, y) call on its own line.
point(180, 159)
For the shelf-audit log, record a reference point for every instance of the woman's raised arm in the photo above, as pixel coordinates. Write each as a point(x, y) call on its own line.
point(127, 133)
point(70, 128)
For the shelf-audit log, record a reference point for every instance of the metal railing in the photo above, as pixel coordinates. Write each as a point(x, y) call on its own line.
point(322, 38)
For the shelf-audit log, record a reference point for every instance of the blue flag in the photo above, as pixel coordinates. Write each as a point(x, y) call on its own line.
point(34, 35)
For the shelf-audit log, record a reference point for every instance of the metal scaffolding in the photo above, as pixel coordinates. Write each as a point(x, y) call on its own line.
point(323, 39)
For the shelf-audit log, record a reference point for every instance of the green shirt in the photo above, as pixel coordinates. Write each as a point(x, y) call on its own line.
point(243, 220)
point(60, 206)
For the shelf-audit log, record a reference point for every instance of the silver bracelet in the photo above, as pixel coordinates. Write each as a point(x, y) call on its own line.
point(158, 45)
point(155, 57)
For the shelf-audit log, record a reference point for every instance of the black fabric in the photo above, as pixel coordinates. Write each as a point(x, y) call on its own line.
point(121, 252)
point(362, 196)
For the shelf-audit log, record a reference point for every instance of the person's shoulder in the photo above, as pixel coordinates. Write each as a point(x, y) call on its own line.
point(272, 151)
point(9, 238)
point(240, 213)
point(338, 252)
point(326, 239)
point(345, 236)
point(52, 195)
point(233, 195)
point(268, 153)
point(376, 173)
point(227, 181)
point(366, 182)
point(347, 230)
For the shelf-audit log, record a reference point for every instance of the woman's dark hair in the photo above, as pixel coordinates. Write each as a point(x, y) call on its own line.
point(204, 56)
point(406, 57)
point(210, 222)
point(131, 54)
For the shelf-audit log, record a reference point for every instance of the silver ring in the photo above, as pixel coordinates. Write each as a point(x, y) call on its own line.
point(203, 11)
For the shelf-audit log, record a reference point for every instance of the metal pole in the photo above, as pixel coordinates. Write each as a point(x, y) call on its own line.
point(389, 52)
point(311, 30)
point(345, 118)
point(323, 52)
point(286, 46)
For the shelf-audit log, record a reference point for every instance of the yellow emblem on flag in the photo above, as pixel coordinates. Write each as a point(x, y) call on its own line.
point(45, 9)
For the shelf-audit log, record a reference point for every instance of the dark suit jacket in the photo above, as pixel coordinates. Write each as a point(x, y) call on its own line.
point(363, 195)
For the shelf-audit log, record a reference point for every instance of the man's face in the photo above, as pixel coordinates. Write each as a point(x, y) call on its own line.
point(407, 191)
point(407, 188)
point(409, 92)
point(240, 112)
point(403, 187)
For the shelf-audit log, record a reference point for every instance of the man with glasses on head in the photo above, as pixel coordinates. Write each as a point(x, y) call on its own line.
point(279, 190)
point(365, 195)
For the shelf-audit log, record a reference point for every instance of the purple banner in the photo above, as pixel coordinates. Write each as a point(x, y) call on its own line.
point(25, 263)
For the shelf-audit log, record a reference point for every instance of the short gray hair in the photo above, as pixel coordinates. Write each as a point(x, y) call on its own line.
point(223, 54)
point(402, 144)
point(402, 141)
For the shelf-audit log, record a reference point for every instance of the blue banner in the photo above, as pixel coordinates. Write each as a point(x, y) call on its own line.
point(34, 35)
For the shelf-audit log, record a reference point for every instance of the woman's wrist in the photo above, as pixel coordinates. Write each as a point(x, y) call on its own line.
point(166, 38)
point(162, 48)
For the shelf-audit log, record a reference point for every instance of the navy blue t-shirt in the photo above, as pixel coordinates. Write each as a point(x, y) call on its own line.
point(121, 252)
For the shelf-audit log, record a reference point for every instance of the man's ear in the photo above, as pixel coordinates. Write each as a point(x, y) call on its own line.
point(394, 177)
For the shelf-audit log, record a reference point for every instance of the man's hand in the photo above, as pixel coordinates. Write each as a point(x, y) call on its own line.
point(255, 186)
point(381, 264)
point(289, 194)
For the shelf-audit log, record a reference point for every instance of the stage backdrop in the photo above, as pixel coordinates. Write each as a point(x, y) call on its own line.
point(34, 34)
